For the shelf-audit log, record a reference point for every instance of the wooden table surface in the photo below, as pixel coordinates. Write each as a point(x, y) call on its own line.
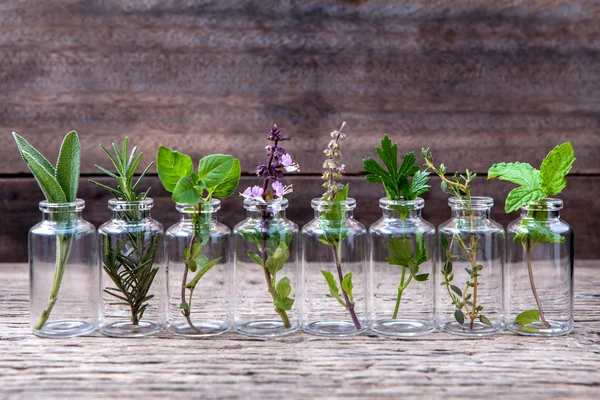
point(299, 366)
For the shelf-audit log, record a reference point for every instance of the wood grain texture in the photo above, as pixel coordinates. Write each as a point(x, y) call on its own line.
point(478, 81)
point(21, 196)
point(299, 366)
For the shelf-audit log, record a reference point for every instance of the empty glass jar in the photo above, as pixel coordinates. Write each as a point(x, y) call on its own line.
point(539, 272)
point(402, 265)
point(469, 289)
point(267, 274)
point(63, 272)
point(335, 269)
point(200, 272)
point(134, 277)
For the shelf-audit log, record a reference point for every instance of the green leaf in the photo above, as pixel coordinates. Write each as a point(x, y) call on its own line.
point(456, 290)
point(228, 185)
point(205, 268)
point(418, 185)
point(485, 320)
point(333, 287)
point(284, 288)
point(185, 192)
point(347, 286)
point(389, 155)
point(522, 196)
point(214, 169)
point(408, 168)
point(401, 252)
point(421, 277)
point(528, 317)
point(172, 166)
point(522, 174)
point(555, 168)
point(537, 232)
point(192, 265)
point(68, 164)
point(459, 316)
point(276, 261)
point(255, 257)
point(24, 146)
point(184, 306)
point(342, 195)
point(48, 183)
point(285, 304)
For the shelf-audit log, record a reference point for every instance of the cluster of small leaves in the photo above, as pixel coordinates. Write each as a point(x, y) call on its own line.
point(462, 299)
point(396, 179)
point(196, 261)
point(347, 287)
point(460, 184)
point(126, 168)
point(59, 185)
point(333, 170)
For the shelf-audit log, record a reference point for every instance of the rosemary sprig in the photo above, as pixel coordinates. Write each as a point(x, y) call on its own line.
point(130, 265)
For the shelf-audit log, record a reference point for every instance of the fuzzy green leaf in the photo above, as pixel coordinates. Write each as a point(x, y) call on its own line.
point(228, 185)
point(68, 165)
point(214, 169)
point(185, 192)
point(172, 166)
point(528, 317)
point(333, 287)
point(48, 183)
point(40, 160)
point(555, 168)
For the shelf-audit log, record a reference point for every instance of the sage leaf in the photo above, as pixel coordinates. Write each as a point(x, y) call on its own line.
point(40, 160)
point(68, 165)
point(48, 182)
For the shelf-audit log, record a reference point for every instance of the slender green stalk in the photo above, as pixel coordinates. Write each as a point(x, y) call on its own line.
point(533, 289)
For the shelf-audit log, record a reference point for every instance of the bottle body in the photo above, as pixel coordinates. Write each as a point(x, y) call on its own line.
point(63, 272)
point(402, 261)
point(133, 271)
point(266, 271)
point(469, 288)
point(199, 291)
point(335, 270)
point(539, 271)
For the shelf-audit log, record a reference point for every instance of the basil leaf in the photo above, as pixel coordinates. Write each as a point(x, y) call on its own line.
point(172, 166)
point(185, 192)
point(228, 185)
point(214, 169)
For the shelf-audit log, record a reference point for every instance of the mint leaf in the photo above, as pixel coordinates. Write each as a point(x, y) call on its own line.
point(172, 166)
point(522, 196)
point(185, 192)
point(333, 287)
point(536, 232)
point(555, 167)
point(68, 165)
point(214, 169)
point(528, 317)
point(519, 173)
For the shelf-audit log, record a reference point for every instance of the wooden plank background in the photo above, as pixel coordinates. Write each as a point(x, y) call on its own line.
point(478, 81)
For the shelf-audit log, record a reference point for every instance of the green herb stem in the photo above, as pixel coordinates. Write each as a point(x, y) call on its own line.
point(403, 285)
point(533, 289)
point(349, 304)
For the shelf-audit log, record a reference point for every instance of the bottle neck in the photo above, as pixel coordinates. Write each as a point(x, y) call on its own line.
point(205, 212)
point(130, 211)
point(324, 213)
point(471, 214)
point(61, 212)
point(540, 215)
point(262, 211)
point(61, 216)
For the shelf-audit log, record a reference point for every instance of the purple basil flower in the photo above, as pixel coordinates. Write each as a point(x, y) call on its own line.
point(275, 134)
point(278, 188)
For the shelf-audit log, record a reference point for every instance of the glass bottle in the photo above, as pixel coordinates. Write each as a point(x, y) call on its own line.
point(402, 265)
point(266, 305)
point(334, 249)
point(539, 273)
point(63, 272)
point(133, 277)
point(200, 292)
point(469, 277)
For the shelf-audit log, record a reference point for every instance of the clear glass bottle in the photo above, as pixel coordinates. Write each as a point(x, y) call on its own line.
point(134, 275)
point(469, 277)
point(539, 271)
point(63, 272)
point(334, 245)
point(265, 305)
point(402, 254)
point(199, 298)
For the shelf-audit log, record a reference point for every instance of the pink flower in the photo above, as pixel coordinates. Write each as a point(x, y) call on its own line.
point(278, 188)
point(254, 192)
point(289, 164)
point(257, 191)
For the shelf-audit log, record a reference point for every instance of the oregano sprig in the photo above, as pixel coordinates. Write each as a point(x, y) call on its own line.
point(218, 177)
point(59, 185)
point(535, 186)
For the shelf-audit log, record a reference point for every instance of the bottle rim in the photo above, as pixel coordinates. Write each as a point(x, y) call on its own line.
point(549, 204)
point(49, 207)
point(319, 204)
point(475, 203)
point(124, 205)
point(256, 205)
point(212, 206)
point(415, 204)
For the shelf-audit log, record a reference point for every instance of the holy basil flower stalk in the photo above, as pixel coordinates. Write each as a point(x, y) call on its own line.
point(535, 186)
point(333, 222)
point(273, 259)
point(59, 184)
point(218, 176)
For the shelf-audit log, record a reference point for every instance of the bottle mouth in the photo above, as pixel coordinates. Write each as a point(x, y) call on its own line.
point(201, 208)
point(475, 203)
point(48, 207)
point(319, 204)
point(123, 205)
point(388, 204)
point(549, 204)
point(257, 205)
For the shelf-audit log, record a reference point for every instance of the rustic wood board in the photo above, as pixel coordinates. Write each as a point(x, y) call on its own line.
point(478, 81)
point(19, 207)
point(299, 366)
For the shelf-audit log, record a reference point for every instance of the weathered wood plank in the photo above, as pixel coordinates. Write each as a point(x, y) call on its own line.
point(18, 207)
point(299, 366)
